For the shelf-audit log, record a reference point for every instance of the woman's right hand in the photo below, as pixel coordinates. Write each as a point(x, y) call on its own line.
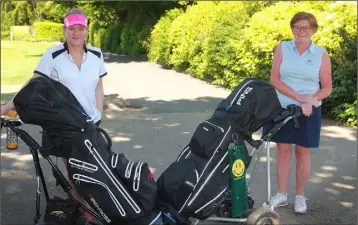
point(4, 109)
point(307, 108)
point(309, 99)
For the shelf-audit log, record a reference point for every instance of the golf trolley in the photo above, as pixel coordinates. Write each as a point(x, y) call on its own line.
point(237, 207)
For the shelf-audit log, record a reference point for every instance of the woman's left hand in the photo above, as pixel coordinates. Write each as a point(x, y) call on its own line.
point(307, 108)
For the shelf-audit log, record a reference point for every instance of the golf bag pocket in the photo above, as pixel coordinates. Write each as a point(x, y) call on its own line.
point(179, 179)
point(137, 177)
point(207, 138)
point(61, 211)
point(99, 176)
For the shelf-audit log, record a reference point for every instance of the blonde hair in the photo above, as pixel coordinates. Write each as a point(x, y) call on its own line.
point(76, 11)
point(305, 16)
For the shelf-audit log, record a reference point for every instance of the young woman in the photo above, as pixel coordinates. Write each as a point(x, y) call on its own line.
point(301, 74)
point(77, 66)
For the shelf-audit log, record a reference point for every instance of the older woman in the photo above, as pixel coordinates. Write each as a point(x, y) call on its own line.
point(301, 74)
point(76, 65)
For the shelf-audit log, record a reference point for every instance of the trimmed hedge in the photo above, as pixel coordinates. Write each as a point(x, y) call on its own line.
point(48, 31)
point(226, 42)
point(121, 38)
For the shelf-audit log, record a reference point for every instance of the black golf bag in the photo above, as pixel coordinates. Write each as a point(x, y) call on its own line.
point(197, 183)
point(119, 190)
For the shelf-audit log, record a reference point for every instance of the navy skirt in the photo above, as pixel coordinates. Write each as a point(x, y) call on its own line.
point(307, 135)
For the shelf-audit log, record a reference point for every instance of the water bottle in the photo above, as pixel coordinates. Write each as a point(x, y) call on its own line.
point(12, 140)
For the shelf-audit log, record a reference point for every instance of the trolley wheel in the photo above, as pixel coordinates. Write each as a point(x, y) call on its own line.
point(263, 216)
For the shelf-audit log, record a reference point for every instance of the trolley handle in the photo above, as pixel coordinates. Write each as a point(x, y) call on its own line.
point(12, 124)
point(293, 111)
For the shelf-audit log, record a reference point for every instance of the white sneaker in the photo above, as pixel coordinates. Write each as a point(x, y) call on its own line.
point(300, 204)
point(277, 201)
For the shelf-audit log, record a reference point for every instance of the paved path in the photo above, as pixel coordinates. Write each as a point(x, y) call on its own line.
point(173, 105)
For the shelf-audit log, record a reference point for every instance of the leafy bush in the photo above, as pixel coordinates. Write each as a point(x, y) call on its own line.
point(48, 31)
point(159, 44)
point(200, 41)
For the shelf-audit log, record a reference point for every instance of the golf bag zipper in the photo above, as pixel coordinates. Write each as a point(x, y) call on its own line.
point(212, 172)
point(206, 181)
point(116, 183)
point(212, 200)
point(222, 129)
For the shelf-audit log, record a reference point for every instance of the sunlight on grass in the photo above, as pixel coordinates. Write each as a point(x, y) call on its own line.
point(19, 59)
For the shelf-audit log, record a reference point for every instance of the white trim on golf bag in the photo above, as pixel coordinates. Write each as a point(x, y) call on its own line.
point(84, 178)
point(83, 165)
point(109, 173)
point(114, 160)
point(182, 153)
point(211, 201)
point(210, 175)
point(237, 94)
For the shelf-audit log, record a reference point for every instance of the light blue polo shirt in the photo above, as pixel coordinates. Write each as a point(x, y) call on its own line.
point(300, 73)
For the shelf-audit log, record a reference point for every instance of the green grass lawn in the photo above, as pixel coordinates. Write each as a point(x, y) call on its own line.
point(19, 59)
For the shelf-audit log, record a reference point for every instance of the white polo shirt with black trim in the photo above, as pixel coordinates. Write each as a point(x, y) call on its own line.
point(57, 64)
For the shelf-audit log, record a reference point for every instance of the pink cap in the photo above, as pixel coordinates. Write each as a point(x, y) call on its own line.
point(75, 19)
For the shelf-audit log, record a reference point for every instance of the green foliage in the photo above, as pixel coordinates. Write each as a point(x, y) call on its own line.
point(202, 40)
point(48, 31)
point(160, 43)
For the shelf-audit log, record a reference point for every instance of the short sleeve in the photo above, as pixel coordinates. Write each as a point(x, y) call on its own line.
point(102, 70)
point(45, 65)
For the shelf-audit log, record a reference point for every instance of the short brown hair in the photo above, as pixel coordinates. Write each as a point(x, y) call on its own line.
point(305, 16)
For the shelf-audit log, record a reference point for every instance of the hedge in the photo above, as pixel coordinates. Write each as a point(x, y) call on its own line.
point(48, 31)
point(226, 42)
point(123, 38)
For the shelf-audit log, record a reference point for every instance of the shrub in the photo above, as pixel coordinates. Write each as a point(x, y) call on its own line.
point(201, 40)
point(160, 44)
point(48, 31)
